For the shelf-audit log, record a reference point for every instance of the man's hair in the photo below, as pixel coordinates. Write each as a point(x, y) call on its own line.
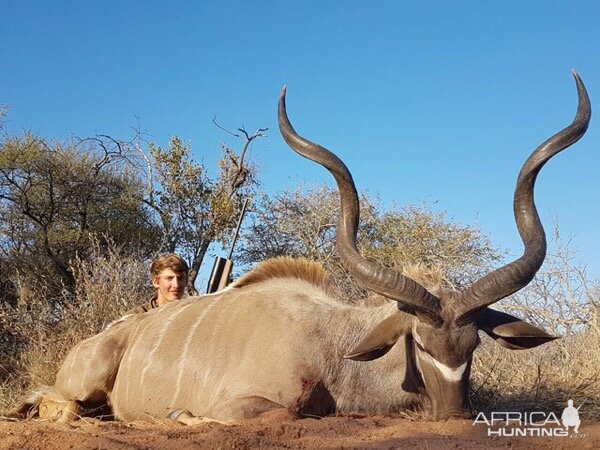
point(168, 261)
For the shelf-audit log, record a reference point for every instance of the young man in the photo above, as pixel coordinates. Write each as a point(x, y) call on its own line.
point(169, 277)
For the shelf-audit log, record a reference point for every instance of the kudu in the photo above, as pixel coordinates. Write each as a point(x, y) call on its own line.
point(280, 337)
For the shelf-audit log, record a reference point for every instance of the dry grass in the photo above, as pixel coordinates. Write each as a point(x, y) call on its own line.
point(541, 379)
point(37, 333)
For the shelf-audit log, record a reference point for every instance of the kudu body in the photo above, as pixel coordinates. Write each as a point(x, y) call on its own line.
point(280, 337)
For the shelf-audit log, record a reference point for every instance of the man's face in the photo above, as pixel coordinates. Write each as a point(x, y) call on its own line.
point(169, 286)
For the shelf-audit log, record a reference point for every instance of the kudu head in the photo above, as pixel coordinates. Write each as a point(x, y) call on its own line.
point(442, 337)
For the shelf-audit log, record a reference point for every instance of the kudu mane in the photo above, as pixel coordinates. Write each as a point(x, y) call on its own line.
point(433, 279)
point(285, 267)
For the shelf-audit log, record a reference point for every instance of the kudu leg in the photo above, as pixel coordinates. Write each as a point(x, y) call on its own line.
point(56, 408)
point(47, 404)
point(187, 418)
point(229, 412)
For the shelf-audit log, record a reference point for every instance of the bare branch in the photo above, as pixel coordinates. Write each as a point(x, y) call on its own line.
point(224, 129)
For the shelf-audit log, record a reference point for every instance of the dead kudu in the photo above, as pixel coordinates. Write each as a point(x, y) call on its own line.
point(280, 337)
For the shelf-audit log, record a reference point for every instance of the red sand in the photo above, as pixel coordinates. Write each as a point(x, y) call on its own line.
point(278, 430)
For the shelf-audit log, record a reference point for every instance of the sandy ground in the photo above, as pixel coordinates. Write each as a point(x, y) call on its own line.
point(279, 430)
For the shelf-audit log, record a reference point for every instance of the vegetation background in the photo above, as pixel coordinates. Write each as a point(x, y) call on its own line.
point(81, 219)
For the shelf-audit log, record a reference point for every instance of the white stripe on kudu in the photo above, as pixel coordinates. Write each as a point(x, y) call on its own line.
point(181, 364)
point(449, 373)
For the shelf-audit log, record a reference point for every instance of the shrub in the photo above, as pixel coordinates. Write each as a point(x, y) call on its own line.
point(39, 330)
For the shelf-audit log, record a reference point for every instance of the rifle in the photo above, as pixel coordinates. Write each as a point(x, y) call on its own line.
point(220, 276)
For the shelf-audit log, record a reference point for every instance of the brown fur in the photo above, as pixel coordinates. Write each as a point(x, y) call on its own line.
point(431, 278)
point(285, 267)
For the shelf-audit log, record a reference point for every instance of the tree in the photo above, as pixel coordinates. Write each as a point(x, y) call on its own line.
point(55, 197)
point(416, 235)
point(194, 210)
point(303, 223)
point(563, 297)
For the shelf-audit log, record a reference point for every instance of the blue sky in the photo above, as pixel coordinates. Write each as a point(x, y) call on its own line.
point(438, 101)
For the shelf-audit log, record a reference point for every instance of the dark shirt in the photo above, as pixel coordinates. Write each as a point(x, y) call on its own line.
point(143, 308)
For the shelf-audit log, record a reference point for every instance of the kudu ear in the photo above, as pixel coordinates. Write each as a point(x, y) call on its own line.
point(380, 340)
point(510, 331)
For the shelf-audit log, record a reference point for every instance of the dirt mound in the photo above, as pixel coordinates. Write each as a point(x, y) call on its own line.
point(279, 431)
